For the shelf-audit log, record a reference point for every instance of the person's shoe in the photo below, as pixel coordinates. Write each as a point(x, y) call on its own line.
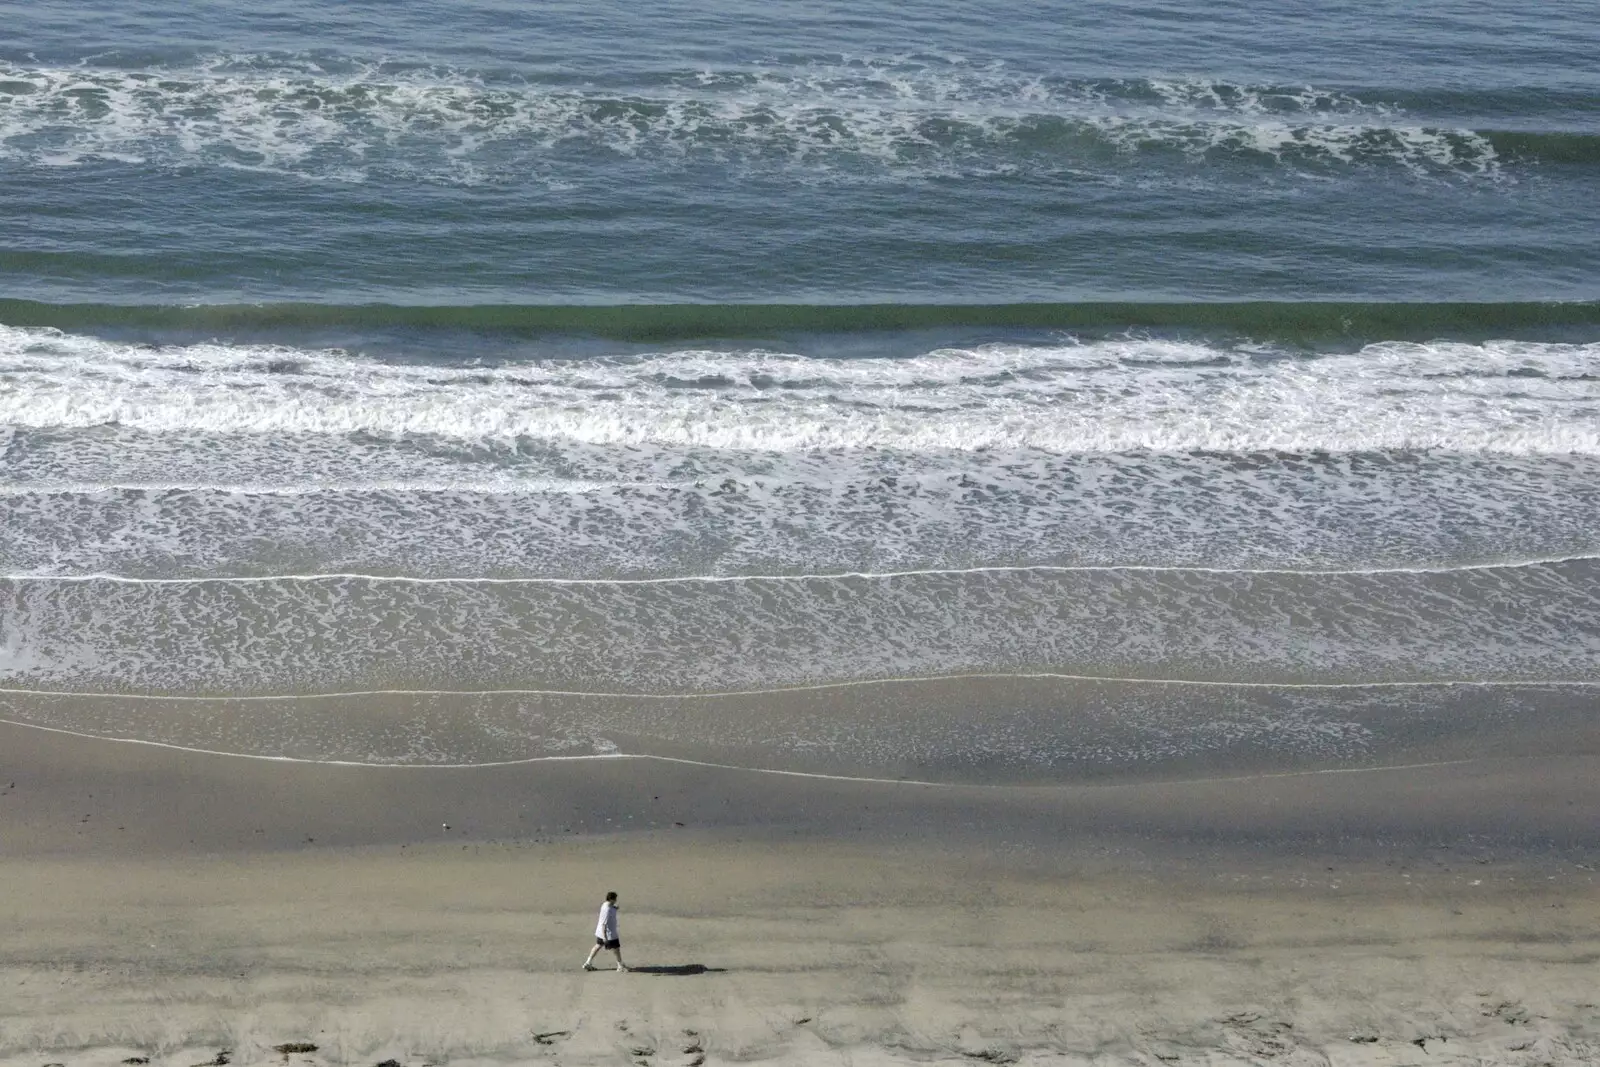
point(622, 969)
point(588, 966)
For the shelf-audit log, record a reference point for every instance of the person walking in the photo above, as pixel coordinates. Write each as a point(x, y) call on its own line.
point(605, 934)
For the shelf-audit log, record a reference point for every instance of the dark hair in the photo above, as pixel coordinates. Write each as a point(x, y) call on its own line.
point(612, 896)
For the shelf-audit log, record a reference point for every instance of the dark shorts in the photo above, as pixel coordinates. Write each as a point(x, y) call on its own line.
point(603, 943)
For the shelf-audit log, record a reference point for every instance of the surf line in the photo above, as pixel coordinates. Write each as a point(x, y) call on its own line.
point(645, 756)
point(575, 488)
point(726, 694)
point(734, 579)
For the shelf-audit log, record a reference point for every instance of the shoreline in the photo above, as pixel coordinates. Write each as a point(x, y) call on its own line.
point(1004, 730)
point(89, 795)
point(649, 757)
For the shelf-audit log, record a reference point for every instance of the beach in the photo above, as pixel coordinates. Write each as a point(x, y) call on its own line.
point(174, 906)
point(1050, 534)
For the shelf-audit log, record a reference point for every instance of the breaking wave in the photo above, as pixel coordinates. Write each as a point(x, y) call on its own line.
point(1112, 395)
point(328, 117)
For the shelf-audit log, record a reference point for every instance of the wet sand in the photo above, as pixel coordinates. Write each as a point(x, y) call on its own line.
point(982, 729)
point(172, 906)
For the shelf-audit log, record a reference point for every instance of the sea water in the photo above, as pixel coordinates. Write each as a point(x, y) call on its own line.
point(1035, 390)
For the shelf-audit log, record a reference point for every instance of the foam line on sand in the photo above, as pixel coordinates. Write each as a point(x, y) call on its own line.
point(725, 694)
point(710, 765)
point(732, 579)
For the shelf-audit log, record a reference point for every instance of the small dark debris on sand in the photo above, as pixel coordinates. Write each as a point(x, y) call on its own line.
point(992, 1055)
point(135, 1061)
point(1508, 1011)
point(546, 1038)
point(294, 1048)
point(389, 1063)
point(221, 1059)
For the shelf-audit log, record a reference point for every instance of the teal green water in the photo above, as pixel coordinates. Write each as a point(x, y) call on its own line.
point(476, 153)
point(1312, 323)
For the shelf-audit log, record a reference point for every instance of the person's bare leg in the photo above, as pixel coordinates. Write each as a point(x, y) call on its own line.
point(588, 964)
point(620, 965)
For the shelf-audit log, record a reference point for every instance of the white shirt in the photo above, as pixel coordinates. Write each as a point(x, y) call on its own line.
point(606, 928)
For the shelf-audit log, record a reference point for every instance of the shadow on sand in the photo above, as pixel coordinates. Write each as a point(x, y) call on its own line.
point(678, 969)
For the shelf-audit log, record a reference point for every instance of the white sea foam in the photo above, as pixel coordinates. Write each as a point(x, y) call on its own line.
point(1527, 623)
point(506, 513)
point(1117, 395)
point(218, 459)
point(270, 460)
point(347, 120)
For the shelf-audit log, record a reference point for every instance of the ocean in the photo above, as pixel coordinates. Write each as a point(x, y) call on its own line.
point(1033, 392)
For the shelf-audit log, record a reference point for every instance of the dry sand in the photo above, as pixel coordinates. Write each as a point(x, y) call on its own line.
point(182, 908)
